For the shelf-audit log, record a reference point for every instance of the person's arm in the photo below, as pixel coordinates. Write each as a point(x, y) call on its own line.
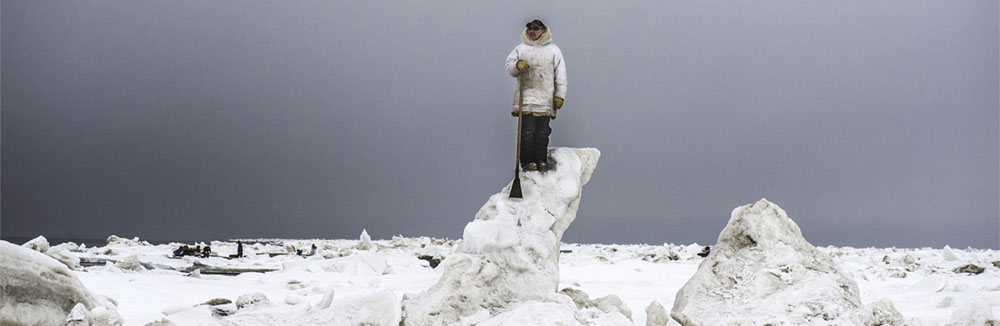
point(511, 64)
point(560, 75)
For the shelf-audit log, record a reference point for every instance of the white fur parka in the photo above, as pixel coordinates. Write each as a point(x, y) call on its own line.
point(545, 77)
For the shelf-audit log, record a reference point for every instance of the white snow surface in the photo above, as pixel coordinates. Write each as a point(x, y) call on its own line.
point(916, 280)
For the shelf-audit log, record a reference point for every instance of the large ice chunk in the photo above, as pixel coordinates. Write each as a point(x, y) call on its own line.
point(762, 271)
point(39, 290)
point(510, 252)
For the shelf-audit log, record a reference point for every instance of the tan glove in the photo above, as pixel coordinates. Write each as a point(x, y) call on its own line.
point(557, 102)
point(521, 65)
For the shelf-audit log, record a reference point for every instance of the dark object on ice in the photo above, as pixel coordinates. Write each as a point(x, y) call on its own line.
point(580, 298)
point(223, 311)
point(996, 264)
point(86, 261)
point(515, 188)
point(239, 250)
point(207, 251)
point(186, 250)
point(705, 252)
point(433, 260)
point(206, 269)
point(970, 268)
point(670, 255)
point(217, 301)
point(565, 251)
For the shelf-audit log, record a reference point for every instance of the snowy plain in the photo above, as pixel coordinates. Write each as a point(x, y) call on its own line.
point(922, 283)
point(507, 270)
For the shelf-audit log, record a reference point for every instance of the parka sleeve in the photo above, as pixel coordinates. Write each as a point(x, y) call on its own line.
point(511, 64)
point(560, 75)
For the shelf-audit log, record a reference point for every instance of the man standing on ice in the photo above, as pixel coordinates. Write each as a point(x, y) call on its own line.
point(541, 80)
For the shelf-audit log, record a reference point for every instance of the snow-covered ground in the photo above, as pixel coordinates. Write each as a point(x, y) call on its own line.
point(150, 285)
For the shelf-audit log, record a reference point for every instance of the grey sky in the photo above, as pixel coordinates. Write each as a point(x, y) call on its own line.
point(872, 123)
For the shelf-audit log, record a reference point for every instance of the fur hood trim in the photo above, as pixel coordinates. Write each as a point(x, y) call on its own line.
point(545, 39)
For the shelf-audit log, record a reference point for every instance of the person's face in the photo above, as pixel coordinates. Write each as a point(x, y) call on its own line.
point(535, 32)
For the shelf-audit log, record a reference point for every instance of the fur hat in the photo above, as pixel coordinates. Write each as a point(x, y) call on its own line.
point(536, 23)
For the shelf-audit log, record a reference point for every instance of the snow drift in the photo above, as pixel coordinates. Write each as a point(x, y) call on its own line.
point(762, 271)
point(507, 265)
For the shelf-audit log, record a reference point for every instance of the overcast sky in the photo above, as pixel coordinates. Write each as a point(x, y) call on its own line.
point(872, 123)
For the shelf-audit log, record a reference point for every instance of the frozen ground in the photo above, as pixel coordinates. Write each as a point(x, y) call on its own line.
point(922, 283)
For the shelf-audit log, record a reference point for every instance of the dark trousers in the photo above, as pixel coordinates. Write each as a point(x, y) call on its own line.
point(535, 133)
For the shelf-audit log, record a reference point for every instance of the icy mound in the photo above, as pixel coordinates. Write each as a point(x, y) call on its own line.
point(61, 252)
point(378, 309)
point(762, 271)
point(510, 253)
point(39, 290)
